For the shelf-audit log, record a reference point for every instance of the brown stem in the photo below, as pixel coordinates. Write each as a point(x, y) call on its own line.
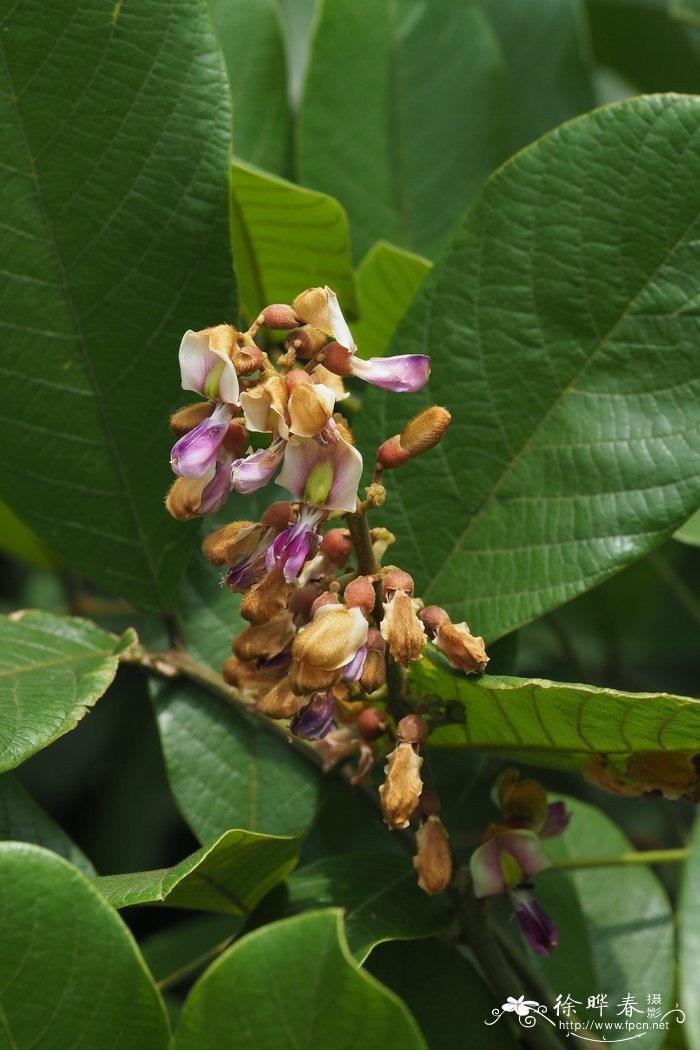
point(367, 563)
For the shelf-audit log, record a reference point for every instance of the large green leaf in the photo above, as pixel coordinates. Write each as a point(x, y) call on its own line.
point(685, 10)
point(562, 323)
point(250, 34)
point(388, 279)
point(226, 767)
point(230, 875)
point(378, 893)
point(615, 924)
point(70, 972)
point(23, 820)
point(689, 941)
point(115, 145)
point(16, 539)
point(293, 984)
point(445, 994)
point(548, 62)
point(285, 239)
point(689, 532)
point(52, 670)
point(493, 713)
point(403, 116)
point(209, 612)
point(196, 938)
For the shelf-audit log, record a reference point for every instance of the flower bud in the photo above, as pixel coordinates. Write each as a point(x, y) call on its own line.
point(396, 580)
point(315, 720)
point(266, 598)
point(372, 723)
point(412, 729)
point(311, 306)
point(338, 359)
point(279, 515)
point(402, 788)
point(390, 454)
point(184, 498)
point(327, 598)
point(374, 670)
point(425, 430)
point(223, 546)
point(432, 617)
point(280, 701)
point(336, 545)
point(463, 651)
point(247, 359)
point(247, 678)
point(305, 341)
point(433, 861)
point(359, 594)
point(279, 316)
point(189, 417)
point(236, 439)
point(264, 641)
point(402, 630)
point(302, 599)
point(306, 678)
point(297, 377)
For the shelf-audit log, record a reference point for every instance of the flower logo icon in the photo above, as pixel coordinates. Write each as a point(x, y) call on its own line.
point(520, 1006)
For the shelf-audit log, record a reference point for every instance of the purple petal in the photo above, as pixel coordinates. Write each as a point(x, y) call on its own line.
point(556, 822)
point(537, 927)
point(255, 470)
point(354, 669)
point(402, 375)
point(217, 491)
point(316, 719)
point(292, 547)
point(195, 452)
point(324, 474)
point(491, 867)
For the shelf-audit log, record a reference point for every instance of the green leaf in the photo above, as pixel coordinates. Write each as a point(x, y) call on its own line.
point(226, 767)
point(23, 820)
point(553, 718)
point(52, 670)
point(689, 532)
point(388, 280)
point(117, 244)
point(250, 34)
point(378, 893)
point(285, 239)
point(689, 941)
point(19, 541)
point(685, 10)
point(444, 993)
point(562, 324)
point(615, 924)
point(209, 613)
point(230, 875)
point(550, 37)
point(297, 16)
point(293, 984)
point(176, 948)
point(70, 972)
point(403, 116)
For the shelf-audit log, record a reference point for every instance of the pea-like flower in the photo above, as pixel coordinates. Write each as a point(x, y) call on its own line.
point(206, 366)
point(323, 474)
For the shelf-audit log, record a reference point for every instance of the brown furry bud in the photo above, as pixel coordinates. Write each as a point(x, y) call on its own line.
point(412, 729)
point(280, 701)
point(432, 617)
point(463, 651)
point(187, 418)
point(397, 580)
point(336, 545)
point(305, 341)
point(266, 598)
point(222, 546)
point(279, 315)
point(402, 788)
point(279, 515)
point(433, 861)
point(402, 630)
point(337, 359)
point(372, 723)
point(359, 593)
point(237, 439)
point(425, 430)
point(302, 599)
point(305, 678)
point(247, 678)
point(247, 359)
point(184, 498)
point(265, 640)
point(297, 377)
point(312, 306)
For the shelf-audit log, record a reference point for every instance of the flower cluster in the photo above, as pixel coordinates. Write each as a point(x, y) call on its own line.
point(332, 631)
point(512, 853)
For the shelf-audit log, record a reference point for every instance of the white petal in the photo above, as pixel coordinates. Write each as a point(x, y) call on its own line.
point(341, 332)
point(197, 359)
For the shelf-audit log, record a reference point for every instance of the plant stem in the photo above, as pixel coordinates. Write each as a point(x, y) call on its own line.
point(650, 856)
point(477, 930)
point(367, 564)
point(194, 966)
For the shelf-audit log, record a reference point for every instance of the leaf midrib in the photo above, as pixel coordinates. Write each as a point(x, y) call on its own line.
point(93, 654)
point(111, 443)
point(566, 389)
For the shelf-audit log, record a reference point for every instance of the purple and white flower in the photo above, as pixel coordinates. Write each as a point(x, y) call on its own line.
point(291, 548)
point(206, 366)
point(195, 453)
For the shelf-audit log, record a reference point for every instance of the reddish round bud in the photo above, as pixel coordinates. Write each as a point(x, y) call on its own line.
point(375, 643)
point(305, 341)
point(397, 580)
point(325, 599)
point(279, 315)
point(432, 617)
point(429, 803)
point(302, 599)
point(359, 593)
point(390, 454)
point(279, 515)
point(236, 439)
point(337, 359)
point(247, 359)
point(372, 723)
point(412, 729)
point(336, 545)
point(297, 377)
